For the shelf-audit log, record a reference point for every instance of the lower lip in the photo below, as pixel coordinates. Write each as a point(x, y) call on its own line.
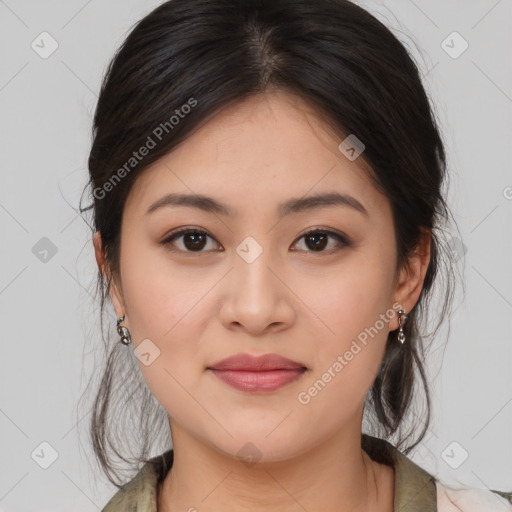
point(258, 380)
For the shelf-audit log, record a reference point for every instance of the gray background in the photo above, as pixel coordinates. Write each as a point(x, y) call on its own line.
point(49, 320)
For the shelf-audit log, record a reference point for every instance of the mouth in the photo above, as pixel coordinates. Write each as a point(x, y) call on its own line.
point(262, 373)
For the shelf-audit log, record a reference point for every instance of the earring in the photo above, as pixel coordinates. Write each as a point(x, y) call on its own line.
point(402, 317)
point(126, 339)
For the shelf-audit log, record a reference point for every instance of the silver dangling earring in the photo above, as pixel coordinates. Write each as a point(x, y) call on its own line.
point(126, 339)
point(402, 317)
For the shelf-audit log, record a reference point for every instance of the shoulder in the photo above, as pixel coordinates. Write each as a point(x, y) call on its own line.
point(469, 499)
point(417, 489)
point(140, 494)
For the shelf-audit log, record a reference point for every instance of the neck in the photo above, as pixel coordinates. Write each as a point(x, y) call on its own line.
point(337, 476)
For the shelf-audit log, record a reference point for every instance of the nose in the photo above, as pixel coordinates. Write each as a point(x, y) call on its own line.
point(256, 297)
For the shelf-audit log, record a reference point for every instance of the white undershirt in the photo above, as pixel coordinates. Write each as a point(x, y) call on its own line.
point(470, 500)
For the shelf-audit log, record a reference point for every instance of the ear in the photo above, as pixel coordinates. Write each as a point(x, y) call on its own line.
point(411, 277)
point(116, 295)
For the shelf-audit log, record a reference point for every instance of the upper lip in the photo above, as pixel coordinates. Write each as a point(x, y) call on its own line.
point(264, 362)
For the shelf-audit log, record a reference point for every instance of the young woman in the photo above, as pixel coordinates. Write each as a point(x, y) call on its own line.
point(266, 183)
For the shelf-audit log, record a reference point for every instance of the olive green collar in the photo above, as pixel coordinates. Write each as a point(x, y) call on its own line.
point(415, 489)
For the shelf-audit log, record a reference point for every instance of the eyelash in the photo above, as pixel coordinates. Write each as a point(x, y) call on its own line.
point(343, 240)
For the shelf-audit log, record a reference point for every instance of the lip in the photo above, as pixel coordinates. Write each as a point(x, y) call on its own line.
point(251, 363)
point(267, 372)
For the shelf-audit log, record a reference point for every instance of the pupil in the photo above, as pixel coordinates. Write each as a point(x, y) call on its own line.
point(196, 237)
point(317, 244)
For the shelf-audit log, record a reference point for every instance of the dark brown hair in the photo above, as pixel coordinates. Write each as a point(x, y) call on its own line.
point(209, 54)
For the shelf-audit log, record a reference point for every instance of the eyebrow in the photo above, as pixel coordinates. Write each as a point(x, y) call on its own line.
point(211, 205)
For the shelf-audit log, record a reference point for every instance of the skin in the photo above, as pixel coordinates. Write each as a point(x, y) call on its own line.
point(307, 305)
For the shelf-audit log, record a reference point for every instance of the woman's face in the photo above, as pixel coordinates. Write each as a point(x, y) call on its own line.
point(256, 283)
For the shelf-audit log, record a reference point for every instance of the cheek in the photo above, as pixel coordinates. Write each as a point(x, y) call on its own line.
point(352, 314)
point(160, 296)
point(172, 323)
point(349, 300)
point(166, 312)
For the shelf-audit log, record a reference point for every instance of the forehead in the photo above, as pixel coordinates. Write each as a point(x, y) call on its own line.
point(260, 151)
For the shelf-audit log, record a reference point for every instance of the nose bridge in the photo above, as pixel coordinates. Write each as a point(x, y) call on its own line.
point(254, 259)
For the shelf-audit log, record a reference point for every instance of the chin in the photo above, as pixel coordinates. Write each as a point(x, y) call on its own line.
point(260, 447)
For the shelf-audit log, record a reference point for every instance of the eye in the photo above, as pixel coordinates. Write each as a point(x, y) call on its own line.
point(317, 239)
point(194, 239)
